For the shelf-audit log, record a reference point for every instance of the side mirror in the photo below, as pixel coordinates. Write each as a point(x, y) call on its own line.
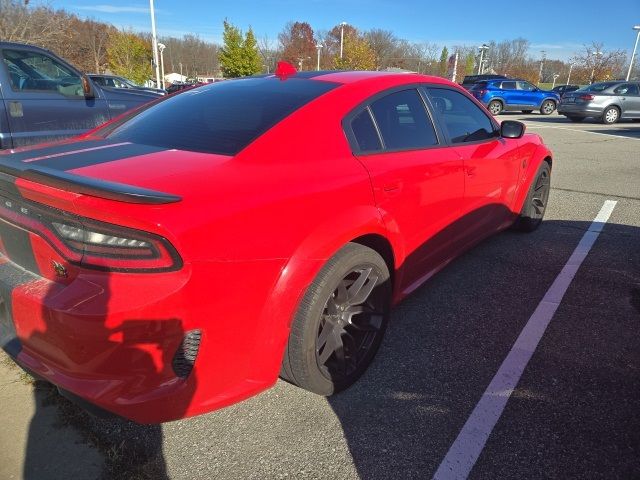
point(87, 87)
point(512, 129)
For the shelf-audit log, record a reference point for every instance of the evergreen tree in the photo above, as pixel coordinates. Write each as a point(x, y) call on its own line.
point(252, 62)
point(232, 54)
point(444, 58)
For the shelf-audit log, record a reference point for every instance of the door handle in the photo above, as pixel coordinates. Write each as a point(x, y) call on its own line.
point(392, 187)
point(471, 171)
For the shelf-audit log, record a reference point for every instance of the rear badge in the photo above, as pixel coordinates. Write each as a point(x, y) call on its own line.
point(59, 269)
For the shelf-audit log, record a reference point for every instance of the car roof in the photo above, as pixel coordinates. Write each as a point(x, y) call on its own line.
point(346, 77)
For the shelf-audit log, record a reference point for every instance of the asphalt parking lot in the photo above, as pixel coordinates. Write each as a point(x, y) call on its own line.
point(574, 413)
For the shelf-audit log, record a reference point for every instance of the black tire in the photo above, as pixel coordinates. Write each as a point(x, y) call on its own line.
point(345, 310)
point(610, 115)
point(527, 111)
point(575, 119)
point(548, 107)
point(495, 107)
point(535, 204)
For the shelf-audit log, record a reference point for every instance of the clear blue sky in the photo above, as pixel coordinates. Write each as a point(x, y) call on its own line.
point(559, 28)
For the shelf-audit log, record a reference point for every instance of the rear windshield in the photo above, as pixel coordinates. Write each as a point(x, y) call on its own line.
point(220, 118)
point(597, 87)
point(479, 86)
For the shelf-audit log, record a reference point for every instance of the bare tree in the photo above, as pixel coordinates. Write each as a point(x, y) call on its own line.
point(600, 63)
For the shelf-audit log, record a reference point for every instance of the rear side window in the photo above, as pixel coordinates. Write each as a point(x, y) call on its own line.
point(365, 132)
point(508, 85)
point(219, 118)
point(463, 119)
point(403, 121)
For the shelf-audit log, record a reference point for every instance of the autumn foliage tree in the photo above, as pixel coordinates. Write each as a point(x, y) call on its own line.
point(129, 56)
point(298, 44)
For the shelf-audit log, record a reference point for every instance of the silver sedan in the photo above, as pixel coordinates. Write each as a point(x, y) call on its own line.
point(605, 101)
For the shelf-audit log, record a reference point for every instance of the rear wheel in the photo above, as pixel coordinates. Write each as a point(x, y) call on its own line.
point(535, 204)
point(495, 107)
point(340, 322)
point(610, 115)
point(547, 107)
point(573, 118)
point(527, 111)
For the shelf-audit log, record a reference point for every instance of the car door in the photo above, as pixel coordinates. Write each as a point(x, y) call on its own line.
point(45, 99)
point(418, 185)
point(509, 93)
point(491, 163)
point(528, 94)
point(629, 98)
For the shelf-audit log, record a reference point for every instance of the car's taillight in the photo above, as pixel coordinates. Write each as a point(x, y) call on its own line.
point(91, 243)
point(586, 96)
point(479, 93)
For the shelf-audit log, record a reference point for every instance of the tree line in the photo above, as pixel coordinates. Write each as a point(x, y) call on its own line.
point(99, 47)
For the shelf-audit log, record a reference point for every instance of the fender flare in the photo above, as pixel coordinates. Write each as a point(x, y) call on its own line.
point(298, 273)
point(539, 155)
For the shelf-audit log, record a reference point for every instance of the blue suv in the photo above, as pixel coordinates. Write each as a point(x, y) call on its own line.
point(512, 94)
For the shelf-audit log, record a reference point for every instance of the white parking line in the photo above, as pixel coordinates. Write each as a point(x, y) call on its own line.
point(529, 125)
point(471, 440)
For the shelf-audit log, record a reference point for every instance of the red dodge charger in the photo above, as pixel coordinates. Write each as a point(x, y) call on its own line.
point(182, 257)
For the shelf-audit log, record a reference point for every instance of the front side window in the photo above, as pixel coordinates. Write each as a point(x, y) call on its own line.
point(626, 89)
point(33, 71)
point(403, 121)
point(526, 86)
point(463, 119)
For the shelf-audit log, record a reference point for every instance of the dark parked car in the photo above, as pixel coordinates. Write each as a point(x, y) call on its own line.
point(606, 101)
point(43, 98)
point(562, 89)
point(114, 81)
point(179, 86)
point(514, 94)
point(469, 80)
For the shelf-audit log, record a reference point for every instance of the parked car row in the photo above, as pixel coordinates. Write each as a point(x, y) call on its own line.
point(608, 102)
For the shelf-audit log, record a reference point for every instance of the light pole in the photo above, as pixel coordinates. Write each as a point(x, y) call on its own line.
point(569, 76)
point(555, 76)
point(595, 64)
point(318, 47)
point(154, 43)
point(342, 25)
point(482, 49)
point(161, 47)
point(541, 65)
point(635, 47)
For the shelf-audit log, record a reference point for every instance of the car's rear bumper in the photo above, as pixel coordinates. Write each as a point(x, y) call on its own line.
point(579, 109)
point(147, 347)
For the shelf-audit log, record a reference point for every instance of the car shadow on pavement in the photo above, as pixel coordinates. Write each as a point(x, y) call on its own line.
point(447, 340)
point(129, 450)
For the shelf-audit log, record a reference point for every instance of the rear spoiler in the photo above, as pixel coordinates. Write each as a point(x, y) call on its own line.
point(86, 185)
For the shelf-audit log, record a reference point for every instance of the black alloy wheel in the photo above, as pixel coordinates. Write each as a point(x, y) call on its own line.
point(535, 204)
point(340, 322)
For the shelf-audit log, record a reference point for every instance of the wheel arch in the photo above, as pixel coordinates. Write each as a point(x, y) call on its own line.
point(362, 225)
point(541, 154)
